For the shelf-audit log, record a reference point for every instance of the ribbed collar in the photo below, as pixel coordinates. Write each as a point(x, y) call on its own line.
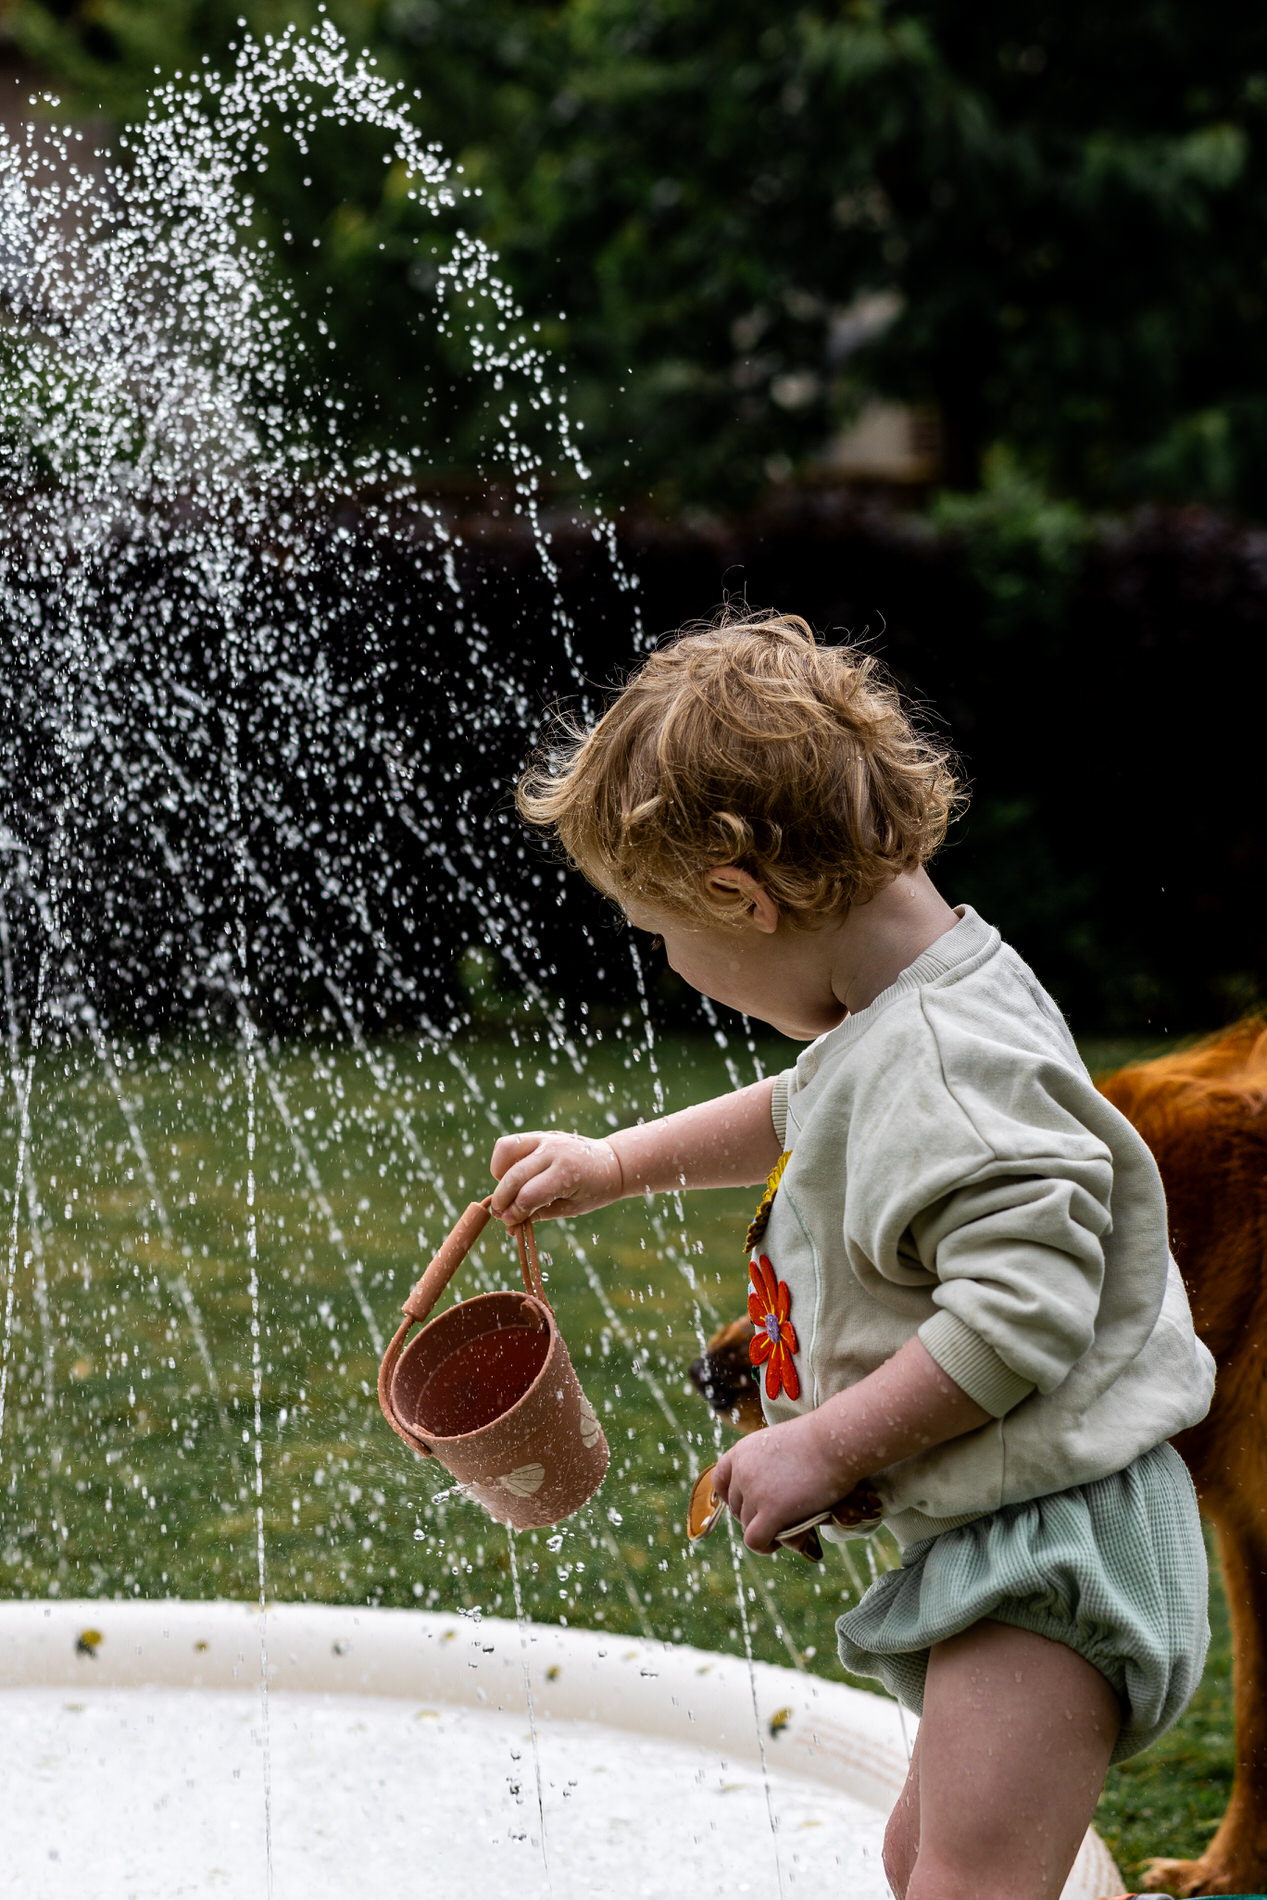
point(962, 948)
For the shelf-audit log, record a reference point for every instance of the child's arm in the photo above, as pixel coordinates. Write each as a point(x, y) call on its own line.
point(728, 1142)
point(791, 1471)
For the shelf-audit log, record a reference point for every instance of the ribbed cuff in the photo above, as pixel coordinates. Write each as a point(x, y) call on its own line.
point(778, 1106)
point(973, 1364)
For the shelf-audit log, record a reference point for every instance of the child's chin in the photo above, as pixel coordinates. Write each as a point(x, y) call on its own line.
point(808, 1032)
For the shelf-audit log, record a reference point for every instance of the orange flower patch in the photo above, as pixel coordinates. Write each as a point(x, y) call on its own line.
point(774, 1342)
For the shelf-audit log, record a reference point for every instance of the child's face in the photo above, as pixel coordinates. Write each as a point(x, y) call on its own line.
point(780, 976)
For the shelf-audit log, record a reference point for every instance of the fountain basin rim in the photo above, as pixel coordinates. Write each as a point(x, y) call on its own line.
point(801, 1724)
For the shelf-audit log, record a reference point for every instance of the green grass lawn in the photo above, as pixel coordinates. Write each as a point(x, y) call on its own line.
point(129, 1432)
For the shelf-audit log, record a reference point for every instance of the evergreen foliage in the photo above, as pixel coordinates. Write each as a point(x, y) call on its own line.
point(1049, 223)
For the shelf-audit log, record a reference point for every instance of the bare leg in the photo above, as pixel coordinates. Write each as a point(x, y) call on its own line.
point(901, 1836)
point(1013, 1746)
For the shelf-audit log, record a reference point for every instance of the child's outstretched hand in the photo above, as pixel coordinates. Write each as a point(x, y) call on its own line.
point(542, 1175)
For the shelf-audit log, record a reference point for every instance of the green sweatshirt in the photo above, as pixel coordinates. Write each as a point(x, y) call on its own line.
point(954, 1173)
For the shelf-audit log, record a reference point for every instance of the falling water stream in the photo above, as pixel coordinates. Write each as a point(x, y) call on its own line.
point(193, 786)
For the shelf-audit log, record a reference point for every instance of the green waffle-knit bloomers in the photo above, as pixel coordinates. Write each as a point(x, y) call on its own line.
point(1115, 1570)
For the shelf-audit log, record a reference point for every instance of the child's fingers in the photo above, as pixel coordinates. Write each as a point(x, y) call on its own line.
point(758, 1533)
point(727, 1485)
point(538, 1187)
point(547, 1174)
point(514, 1194)
point(755, 1522)
point(534, 1201)
point(509, 1149)
point(548, 1210)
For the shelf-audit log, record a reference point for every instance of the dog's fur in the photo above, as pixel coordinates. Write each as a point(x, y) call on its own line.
point(1203, 1112)
point(726, 1377)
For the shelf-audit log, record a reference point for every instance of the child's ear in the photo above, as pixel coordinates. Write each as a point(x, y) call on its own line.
point(737, 892)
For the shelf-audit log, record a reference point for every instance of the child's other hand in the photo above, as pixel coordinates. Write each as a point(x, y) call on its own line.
point(542, 1175)
point(781, 1476)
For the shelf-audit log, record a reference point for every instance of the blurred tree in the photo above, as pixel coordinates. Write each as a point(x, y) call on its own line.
point(1050, 223)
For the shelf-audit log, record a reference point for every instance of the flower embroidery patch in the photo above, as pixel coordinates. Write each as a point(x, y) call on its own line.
point(774, 1342)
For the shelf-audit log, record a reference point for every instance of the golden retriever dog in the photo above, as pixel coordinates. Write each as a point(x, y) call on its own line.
point(1203, 1112)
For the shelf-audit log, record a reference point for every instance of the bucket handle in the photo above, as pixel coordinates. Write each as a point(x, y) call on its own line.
point(448, 1259)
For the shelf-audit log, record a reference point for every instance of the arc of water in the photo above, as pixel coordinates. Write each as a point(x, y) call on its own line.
point(756, 1710)
point(281, 911)
point(502, 941)
point(22, 1081)
point(636, 1603)
point(36, 1222)
point(702, 1305)
point(409, 1134)
point(352, 1267)
point(250, 870)
point(178, 868)
point(522, 1620)
point(318, 68)
point(226, 590)
point(470, 1083)
point(178, 1282)
point(21, 1078)
point(644, 999)
point(285, 82)
point(709, 1011)
point(257, 1384)
point(301, 65)
point(11, 1271)
point(244, 99)
point(404, 1124)
point(614, 1321)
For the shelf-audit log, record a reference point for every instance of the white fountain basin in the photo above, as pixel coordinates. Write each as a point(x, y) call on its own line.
point(399, 1751)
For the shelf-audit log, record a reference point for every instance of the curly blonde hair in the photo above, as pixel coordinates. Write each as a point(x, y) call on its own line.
point(745, 742)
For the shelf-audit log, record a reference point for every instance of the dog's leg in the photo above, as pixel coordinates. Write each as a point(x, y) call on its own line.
point(1236, 1859)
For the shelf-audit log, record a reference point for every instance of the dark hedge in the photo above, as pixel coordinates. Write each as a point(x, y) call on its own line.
point(1103, 684)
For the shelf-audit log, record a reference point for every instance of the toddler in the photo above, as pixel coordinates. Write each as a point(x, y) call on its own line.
point(963, 1290)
